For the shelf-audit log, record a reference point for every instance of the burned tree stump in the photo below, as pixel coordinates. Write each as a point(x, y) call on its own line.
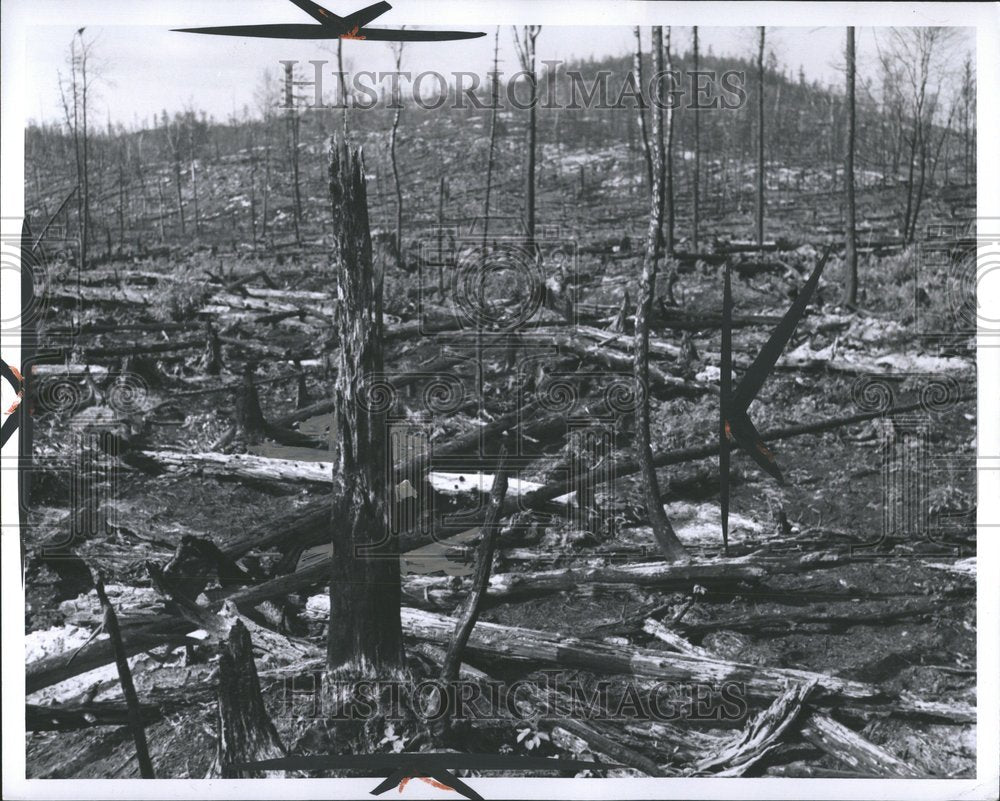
point(248, 417)
point(246, 732)
point(364, 633)
point(211, 361)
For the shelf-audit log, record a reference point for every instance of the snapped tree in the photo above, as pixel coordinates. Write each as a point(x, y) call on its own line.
point(364, 635)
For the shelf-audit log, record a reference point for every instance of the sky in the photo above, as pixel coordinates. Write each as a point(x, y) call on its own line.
point(146, 68)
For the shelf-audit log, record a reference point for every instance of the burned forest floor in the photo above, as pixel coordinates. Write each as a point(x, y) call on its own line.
point(184, 421)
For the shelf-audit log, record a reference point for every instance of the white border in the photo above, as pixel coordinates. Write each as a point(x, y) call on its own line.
point(14, 14)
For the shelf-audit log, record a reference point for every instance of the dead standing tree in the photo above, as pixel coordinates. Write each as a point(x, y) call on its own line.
point(851, 253)
point(641, 106)
point(397, 106)
point(914, 56)
point(760, 138)
point(491, 158)
point(364, 631)
point(696, 178)
point(667, 170)
point(294, 123)
point(524, 43)
point(174, 135)
point(662, 529)
point(75, 109)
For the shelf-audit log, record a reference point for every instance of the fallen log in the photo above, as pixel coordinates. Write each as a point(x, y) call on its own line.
point(138, 348)
point(624, 467)
point(136, 637)
point(600, 742)
point(759, 737)
point(493, 641)
point(838, 740)
point(671, 638)
point(854, 750)
point(244, 466)
point(511, 586)
point(71, 717)
point(622, 362)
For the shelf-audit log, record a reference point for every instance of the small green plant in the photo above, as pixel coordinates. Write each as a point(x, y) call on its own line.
point(530, 738)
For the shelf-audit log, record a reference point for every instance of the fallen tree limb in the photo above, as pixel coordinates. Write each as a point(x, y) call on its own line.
point(602, 743)
point(626, 467)
point(135, 721)
point(759, 737)
point(484, 562)
point(622, 362)
point(840, 741)
point(854, 750)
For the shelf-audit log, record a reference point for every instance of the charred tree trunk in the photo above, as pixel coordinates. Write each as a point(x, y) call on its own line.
point(696, 179)
point(364, 631)
point(293, 123)
point(760, 139)
point(246, 732)
point(850, 254)
point(662, 529)
point(668, 177)
point(525, 44)
point(494, 105)
point(442, 194)
point(397, 102)
point(641, 108)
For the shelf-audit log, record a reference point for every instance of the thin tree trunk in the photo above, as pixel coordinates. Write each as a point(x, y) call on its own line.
point(662, 529)
point(442, 191)
point(180, 198)
point(668, 171)
point(484, 562)
point(495, 78)
point(668, 162)
point(266, 191)
point(851, 254)
point(760, 139)
point(696, 182)
point(526, 56)
point(85, 86)
point(194, 193)
point(641, 108)
point(114, 633)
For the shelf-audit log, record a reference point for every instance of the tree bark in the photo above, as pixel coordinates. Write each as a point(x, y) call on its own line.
point(662, 529)
point(760, 138)
point(526, 55)
point(641, 107)
point(246, 732)
point(364, 630)
point(851, 254)
point(696, 179)
point(492, 640)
